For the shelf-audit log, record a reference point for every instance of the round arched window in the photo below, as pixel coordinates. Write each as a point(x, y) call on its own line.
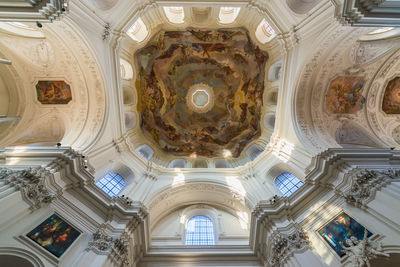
point(287, 183)
point(112, 183)
point(200, 231)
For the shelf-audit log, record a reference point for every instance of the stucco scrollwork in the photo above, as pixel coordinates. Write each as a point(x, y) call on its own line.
point(283, 244)
point(31, 183)
point(365, 185)
point(101, 242)
point(119, 252)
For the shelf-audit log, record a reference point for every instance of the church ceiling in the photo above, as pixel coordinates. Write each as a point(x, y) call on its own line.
point(201, 91)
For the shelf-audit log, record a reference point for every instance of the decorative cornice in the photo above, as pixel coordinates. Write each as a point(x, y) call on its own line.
point(371, 13)
point(34, 10)
point(366, 183)
point(31, 183)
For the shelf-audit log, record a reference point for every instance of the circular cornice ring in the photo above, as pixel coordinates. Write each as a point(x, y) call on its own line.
point(200, 98)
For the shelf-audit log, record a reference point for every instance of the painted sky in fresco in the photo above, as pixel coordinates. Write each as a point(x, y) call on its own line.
point(225, 60)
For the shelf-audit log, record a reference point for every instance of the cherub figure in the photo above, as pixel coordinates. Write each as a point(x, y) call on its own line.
point(361, 252)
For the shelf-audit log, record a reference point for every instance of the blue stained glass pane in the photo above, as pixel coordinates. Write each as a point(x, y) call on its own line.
point(287, 183)
point(112, 183)
point(200, 231)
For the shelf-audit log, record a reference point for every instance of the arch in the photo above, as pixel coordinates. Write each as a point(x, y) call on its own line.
point(14, 261)
point(22, 255)
point(264, 32)
point(53, 131)
point(177, 163)
point(301, 6)
point(163, 201)
point(381, 34)
point(125, 69)
point(222, 163)
point(200, 231)
point(393, 260)
point(228, 15)
point(145, 151)
point(112, 183)
point(138, 31)
point(129, 95)
point(269, 121)
point(200, 163)
point(130, 120)
point(12, 100)
point(201, 14)
point(254, 151)
point(287, 183)
point(274, 72)
point(120, 168)
point(104, 4)
point(175, 15)
point(350, 134)
point(271, 98)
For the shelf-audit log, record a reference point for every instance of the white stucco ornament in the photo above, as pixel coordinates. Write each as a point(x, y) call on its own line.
point(200, 98)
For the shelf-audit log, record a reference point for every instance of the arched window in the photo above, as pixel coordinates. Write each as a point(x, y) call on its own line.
point(112, 183)
point(200, 231)
point(145, 151)
point(287, 183)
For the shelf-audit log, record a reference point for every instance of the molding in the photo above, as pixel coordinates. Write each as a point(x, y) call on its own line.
point(370, 13)
point(31, 183)
point(34, 10)
point(366, 183)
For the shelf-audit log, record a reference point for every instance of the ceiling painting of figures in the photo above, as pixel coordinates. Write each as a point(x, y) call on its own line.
point(344, 95)
point(53, 92)
point(201, 91)
point(391, 99)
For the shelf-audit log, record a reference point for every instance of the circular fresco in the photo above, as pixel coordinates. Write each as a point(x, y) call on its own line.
point(200, 91)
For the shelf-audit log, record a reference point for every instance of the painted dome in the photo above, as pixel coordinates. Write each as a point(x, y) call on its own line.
point(201, 91)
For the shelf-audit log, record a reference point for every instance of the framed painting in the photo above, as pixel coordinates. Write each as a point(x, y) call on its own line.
point(344, 95)
point(53, 92)
point(54, 234)
point(391, 98)
point(339, 229)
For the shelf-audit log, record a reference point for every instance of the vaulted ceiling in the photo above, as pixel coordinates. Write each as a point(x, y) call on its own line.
point(201, 91)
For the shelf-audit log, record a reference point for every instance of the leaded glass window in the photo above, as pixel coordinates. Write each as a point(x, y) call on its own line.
point(287, 183)
point(112, 183)
point(200, 231)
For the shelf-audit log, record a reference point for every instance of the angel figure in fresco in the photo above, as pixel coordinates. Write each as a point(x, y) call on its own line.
point(361, 252)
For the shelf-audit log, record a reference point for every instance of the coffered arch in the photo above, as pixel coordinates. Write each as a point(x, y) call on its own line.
point(55, 58)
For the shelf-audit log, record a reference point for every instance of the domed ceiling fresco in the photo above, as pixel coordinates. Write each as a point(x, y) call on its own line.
point(201, 91)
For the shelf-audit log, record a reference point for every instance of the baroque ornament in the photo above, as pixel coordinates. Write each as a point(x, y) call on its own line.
point(283, 244)
point(362, 251)
point(31, 184)
point(120, 250)
point(366, 184)
point(101, 242)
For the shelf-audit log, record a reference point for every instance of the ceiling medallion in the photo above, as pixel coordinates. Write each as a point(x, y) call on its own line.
point(200, 98)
